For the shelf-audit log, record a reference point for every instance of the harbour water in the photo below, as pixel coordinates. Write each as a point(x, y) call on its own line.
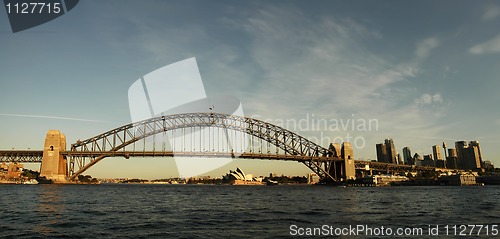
point(223, 211)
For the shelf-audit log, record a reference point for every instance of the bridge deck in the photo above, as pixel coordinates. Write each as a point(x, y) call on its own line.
point(21, 156)
point(35, 156)
point(128, 154)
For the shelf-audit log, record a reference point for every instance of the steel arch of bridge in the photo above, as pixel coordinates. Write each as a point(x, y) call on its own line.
point(86, 153)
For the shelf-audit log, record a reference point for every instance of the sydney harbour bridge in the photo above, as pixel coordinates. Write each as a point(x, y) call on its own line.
point(199, 135)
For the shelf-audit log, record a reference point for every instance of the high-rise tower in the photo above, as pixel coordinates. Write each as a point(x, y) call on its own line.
point(391, 151)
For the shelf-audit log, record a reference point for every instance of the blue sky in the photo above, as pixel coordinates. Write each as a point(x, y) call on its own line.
point(427, 71)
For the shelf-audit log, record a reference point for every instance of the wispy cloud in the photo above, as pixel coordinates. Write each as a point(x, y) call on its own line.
point(52, 117)
point(491, 13)
point(323, 63)
point(425, 47)
point(288, 65)
point(322, 66)
point(317, 59)
point(428, 99)
point(490, 46)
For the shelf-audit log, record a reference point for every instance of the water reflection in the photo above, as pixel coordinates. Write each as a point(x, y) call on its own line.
point(50, 209)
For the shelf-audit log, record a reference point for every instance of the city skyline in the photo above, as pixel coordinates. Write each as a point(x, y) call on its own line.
point(462, 156)
point(427, 74)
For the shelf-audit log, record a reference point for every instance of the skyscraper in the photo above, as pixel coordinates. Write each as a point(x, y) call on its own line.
point(476, 144)
point(436, 152)
point(474, 156)
point(468, 157)
point(451, 160)
point(391, 151)
point(461, 147)
point(381, 153)
point(408, 159)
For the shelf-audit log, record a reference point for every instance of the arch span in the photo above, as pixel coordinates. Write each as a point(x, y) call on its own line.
point(86, 153)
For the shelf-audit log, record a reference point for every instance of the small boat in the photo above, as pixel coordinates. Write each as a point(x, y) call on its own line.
point(271, 183)
point(31, 181)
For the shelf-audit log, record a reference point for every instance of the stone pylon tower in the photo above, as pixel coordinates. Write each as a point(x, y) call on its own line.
point(54, 165)
point(348, 156)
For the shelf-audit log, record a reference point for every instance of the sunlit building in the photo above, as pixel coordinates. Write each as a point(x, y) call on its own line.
point(468, 156)
point(451, 160)
point(408, 160)
point(436, 152)
point(239, 177)
point(386, 152)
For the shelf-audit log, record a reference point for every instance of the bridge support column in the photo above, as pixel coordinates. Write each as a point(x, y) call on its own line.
point(348, 156)
point(345, 169)
point(54, 165)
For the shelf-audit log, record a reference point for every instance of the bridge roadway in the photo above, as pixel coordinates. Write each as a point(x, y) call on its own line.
point(21, 156)
point(35, 156)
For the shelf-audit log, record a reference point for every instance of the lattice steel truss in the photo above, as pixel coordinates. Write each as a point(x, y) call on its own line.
point(21, 156)
point(86, 153)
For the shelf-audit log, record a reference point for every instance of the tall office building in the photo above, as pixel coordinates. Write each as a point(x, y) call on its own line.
point(461, 147)
point(468, 156)
point(381, 153)
point(476, 144)
point(391, 151)
point(408, 160)
point(444, 148)
point(436, 152)
point(473, 160)
point(386, 152)
point(451, 160)
point(439, 160)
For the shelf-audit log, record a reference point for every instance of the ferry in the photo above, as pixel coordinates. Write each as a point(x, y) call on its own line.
point(271, 183)
point(31, 181)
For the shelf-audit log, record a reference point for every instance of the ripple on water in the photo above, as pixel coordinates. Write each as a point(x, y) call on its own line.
point(186, 211)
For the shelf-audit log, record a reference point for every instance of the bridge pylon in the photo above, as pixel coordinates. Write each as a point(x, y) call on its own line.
point(349, 169)
point(345, 169)
point(54, 165)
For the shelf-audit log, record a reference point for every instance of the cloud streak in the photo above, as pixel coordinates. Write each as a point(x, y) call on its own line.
point(490, 46)
point(52, 117)
point(427, 99)
point(491, 13)
point(425, 47)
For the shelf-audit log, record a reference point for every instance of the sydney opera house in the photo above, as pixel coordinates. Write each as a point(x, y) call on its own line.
point(238, 177)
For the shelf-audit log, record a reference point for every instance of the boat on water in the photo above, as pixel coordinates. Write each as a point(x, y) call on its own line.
point(43, 180)
point(31, 181)
point(271, 183)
